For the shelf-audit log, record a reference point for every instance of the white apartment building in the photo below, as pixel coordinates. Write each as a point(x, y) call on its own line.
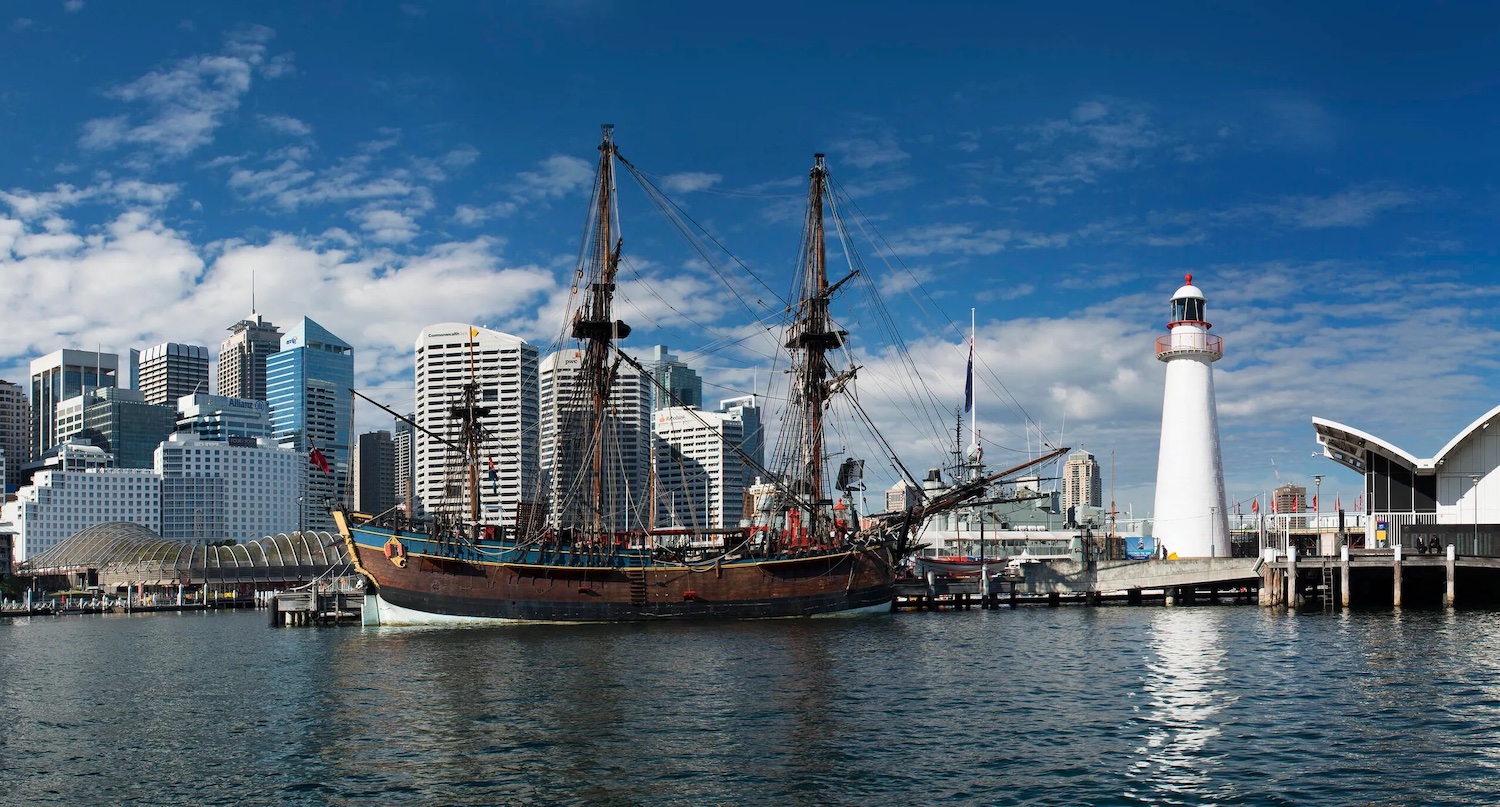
point(627, 473)
point(76, 492)
point(700, 478)
point(449, 356)
point(240, 489)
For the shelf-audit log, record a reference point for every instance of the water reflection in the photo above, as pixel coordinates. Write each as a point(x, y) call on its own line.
point(1184, 684)
point(1034, 706)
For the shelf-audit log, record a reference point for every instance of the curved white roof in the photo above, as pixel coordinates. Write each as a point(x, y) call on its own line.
point(1346, 445)
point(1477, 425)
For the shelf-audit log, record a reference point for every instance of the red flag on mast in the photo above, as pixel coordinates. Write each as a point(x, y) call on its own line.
point(317, 459)
point(1255, 505)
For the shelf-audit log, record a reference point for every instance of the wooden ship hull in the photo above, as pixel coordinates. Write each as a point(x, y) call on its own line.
point(418, 579)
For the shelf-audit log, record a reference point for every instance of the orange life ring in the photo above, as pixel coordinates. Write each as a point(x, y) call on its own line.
point(395, 552)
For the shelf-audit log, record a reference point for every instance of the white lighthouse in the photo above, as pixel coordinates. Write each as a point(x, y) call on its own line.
point(1190, 521)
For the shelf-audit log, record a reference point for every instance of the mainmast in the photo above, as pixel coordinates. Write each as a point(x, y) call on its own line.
point(811, 339)
point(595, 326)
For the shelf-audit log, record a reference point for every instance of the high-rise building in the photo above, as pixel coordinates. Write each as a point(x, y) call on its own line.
point(308, 384)
point(78, 490)
point(1081, 483)
point(242, 358)
point(1289, 498)
point(118, 420)
point(237, 490)
point(170, 370)
point(449, 356)
point(700, 478)
point(130, 374)
point(216, 417)
point(627, 443)
point(403, 439)
point(15, 417)
point(374, 472)
point(676, 383)
point(745, 410)
point(58, 376)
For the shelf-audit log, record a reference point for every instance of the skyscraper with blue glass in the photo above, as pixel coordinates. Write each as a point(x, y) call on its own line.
point(307, 386)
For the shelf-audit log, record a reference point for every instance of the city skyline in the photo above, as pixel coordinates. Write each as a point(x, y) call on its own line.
point(1322, 177)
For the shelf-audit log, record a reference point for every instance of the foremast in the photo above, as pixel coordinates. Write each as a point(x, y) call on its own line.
point(594, 325)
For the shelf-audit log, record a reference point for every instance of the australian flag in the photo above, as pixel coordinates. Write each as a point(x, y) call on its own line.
point(969, 381)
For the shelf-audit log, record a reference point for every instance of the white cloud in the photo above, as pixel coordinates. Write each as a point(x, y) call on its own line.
point(1355, 207)
point(471, 215)
point(1096, 139)
point(375, 297)
point(556, 177)
point(285, 124)
point(21, 24)
point(28, 205)
point(689, 182)
point(73, 6)
point(1089, 111)
point(461, 157)
point(959, 239)
point(965, 239)
point(184, 104)
point(386, 226)
point(864, 152)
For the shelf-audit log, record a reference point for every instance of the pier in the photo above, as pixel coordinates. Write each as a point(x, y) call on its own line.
point(1396, 576)
point(1090, 582)
point(313, 606)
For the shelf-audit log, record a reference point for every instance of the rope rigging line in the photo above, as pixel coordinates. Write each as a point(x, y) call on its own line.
point(1009, 400)
point(679, 218)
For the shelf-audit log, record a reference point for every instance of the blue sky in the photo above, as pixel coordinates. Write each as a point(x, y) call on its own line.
point(1327, 174)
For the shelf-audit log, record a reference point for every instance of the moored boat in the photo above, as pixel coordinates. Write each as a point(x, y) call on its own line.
point(803, 554)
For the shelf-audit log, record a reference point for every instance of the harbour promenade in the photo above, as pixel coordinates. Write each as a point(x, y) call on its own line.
point(1287, 560)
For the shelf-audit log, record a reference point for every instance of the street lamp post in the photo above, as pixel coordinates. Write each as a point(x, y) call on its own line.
point(1474, 491)
point(1318, 509)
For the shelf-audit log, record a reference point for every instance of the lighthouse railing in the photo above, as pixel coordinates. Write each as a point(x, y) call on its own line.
point(1179, 342)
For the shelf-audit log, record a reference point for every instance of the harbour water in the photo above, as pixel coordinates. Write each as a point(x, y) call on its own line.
point(1064, 706)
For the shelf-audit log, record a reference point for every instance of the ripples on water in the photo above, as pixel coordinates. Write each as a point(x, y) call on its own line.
point(1206, 705)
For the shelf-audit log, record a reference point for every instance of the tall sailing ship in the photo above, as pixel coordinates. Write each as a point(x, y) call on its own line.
point(803, 553)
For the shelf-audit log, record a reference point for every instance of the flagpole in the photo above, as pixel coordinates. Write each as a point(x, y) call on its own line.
point(974, 411)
